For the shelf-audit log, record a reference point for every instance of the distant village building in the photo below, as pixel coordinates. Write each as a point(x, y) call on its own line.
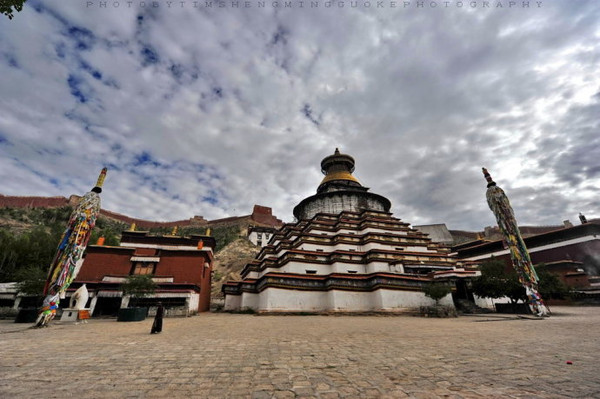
point(181, 267)
point(259, 235)
point(346, 252)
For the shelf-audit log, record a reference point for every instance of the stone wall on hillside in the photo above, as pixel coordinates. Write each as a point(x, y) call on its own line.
point(32, 202)
point(260, 214)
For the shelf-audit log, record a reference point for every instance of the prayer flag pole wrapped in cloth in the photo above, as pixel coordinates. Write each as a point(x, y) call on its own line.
point(69, 255)
point(500, 206)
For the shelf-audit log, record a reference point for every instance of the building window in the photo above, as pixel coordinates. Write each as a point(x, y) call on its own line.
point(259, 243)
point(143, 268)
point(259, 235)
point(311, 272)
point(351, 271)
point(267, 235)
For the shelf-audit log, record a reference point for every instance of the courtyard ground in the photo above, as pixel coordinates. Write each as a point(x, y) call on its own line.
point(216, 355)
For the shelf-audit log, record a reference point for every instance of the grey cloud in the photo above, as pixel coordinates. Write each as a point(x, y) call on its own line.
point(422, 100)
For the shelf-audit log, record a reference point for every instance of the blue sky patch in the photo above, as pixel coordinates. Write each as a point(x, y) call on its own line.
point(211, 200)
point(218, 92)
point(307, 111)
point(280, 36)
point(144, 158)
point(176, 71)
point(60, 50)
point(149, 55)
point(75, 84)
point(10, 60)
point(96, 74)
point(84, 38)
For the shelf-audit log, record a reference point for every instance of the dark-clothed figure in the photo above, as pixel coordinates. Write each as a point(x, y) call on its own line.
point(157, 325)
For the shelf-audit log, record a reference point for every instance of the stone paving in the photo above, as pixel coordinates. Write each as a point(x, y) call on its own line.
point(248, 356)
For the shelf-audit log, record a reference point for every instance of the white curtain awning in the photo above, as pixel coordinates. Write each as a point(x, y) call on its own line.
point(110, 294)
point(145, 259)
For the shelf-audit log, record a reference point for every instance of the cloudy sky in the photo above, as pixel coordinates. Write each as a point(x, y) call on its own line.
point(200, 110)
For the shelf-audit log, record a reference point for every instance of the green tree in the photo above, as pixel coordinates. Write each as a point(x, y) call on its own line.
point(6, 7)
point(31, 250)
point(31, 280)
point(138, 286)
point(436, 291)
point(550, 286)
point(497, 282)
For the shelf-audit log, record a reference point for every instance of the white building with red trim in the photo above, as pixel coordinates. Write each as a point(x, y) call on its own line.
point(346, 253)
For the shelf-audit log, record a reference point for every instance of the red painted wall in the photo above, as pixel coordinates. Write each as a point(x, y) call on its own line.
point(184, 266)
point(105, 261)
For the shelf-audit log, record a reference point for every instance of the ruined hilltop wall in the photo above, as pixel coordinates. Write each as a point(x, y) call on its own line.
point(260, 214)
point(32, 202)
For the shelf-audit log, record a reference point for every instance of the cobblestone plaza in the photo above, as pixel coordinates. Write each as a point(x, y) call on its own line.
point(246, 356)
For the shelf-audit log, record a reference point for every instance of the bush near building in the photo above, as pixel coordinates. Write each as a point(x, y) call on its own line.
point(496, 282)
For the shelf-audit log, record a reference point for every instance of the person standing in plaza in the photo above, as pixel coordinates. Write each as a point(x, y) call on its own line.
point(158, 319)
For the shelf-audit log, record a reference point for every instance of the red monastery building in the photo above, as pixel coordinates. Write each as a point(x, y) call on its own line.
point(346, 252)
point(572, 253)
point(181, 266)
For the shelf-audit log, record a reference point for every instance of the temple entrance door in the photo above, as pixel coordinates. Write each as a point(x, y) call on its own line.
point(463, 294)
point(107, 306)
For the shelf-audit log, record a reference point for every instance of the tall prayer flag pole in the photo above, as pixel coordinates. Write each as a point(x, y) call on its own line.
point(69, 254)
point(500, 206)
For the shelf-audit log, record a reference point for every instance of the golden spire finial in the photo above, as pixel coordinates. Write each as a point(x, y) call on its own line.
point(100, 181)
point(101, 178)
point(488, 178)
point(132, 227)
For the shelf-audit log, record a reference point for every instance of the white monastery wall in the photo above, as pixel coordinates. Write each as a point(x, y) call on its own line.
point(488, 303)
point(233, 302)
point(329, 248)
point(380, 230)
point(352, 301)
point(249, 300)
point(192, 303)
point(322, 232)
point(419, 249)
point(277, 299)
point(325, 269)
point(385, 267)
point(280, 300)
point(394, 299)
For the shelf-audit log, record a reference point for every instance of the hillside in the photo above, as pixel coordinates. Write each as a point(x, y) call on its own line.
point(261, 215)
point(29, 237)
point(230, 261)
